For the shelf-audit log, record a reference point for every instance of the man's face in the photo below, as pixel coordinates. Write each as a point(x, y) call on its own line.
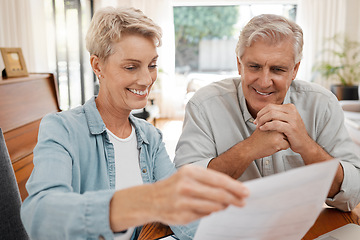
point(267, 71)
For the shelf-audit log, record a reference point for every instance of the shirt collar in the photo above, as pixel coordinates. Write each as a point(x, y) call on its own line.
point(287, 96)
point(245, 112)
point(97, 125)
point(94, 120)
point(140, 134)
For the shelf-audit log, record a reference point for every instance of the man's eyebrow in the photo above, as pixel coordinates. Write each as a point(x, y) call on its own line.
point(280, 66)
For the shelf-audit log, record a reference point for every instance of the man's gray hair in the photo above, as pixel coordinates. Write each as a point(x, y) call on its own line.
point(272, 29)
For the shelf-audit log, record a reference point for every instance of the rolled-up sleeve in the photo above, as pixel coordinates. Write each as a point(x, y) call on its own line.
point(349, 195)
point(335, 139)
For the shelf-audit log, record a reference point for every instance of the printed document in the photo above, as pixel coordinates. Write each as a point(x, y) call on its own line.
point(281, 206)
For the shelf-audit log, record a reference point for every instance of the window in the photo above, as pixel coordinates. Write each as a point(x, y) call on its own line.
point(206, 36)
point(67, 23)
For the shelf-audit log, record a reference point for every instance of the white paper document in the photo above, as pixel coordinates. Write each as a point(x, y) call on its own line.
point(281, 206)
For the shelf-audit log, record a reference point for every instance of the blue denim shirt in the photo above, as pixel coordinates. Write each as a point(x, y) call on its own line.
point(73, 179)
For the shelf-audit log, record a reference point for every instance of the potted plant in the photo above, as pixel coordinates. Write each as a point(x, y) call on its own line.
point(344, 69)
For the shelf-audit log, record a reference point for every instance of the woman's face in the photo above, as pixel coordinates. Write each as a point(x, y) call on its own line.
point(129, 73)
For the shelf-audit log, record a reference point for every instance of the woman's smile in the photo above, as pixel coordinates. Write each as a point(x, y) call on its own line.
point(139, 92)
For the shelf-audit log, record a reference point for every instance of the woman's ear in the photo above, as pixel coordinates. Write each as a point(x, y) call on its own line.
point(95, 64)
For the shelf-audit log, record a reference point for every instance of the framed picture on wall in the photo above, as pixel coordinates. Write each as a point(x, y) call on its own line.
point(14, 62)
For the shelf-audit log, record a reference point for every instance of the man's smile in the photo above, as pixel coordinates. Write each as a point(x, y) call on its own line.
point(263, 93)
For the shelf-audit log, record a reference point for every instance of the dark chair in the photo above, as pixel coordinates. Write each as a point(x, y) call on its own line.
point(11, 226)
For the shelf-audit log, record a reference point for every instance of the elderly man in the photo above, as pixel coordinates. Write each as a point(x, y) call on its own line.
point(266, 122)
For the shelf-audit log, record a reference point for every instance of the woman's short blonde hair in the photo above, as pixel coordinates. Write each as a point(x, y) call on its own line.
point(273, 29)
point(108, 25)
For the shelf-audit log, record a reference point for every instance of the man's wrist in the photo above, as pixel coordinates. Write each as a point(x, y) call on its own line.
point(314, 153)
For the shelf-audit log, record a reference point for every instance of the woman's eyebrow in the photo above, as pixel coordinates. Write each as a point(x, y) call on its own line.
point(137, 60)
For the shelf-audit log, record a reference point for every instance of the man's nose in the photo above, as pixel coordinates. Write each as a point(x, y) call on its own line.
point(264, 80)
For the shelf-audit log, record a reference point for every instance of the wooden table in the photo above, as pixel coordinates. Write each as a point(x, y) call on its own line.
point(328, 220)
point(154, 231)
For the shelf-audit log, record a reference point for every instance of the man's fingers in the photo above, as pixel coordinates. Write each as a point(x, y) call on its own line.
point(276, 125)
point(273, 112)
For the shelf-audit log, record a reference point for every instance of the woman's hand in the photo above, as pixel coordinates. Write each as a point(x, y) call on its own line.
point(194, 192)
point(191, 193)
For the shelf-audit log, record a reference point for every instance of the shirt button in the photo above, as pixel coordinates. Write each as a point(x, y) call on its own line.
point(144, 170)
point(267, 162)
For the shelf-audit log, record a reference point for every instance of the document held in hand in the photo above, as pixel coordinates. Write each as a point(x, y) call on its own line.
point(281, 206)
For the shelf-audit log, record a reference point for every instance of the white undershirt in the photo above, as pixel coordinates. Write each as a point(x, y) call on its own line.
point(127, 169)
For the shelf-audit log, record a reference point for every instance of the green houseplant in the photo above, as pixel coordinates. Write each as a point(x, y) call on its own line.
point(344, 69)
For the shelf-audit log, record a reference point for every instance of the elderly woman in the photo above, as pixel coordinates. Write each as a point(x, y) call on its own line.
point(92, 164)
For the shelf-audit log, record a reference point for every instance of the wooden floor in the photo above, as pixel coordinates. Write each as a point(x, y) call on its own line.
point(161, 122)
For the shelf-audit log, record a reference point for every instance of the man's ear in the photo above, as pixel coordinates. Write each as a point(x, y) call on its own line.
point(296, 68)
point(95, 64)
point(238, 65)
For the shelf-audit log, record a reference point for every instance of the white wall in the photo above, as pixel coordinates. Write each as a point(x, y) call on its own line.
point(322, 19)
point(353, 19)
point(22, 25)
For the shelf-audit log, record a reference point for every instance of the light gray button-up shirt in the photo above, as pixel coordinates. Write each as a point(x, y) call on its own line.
point(217, 118)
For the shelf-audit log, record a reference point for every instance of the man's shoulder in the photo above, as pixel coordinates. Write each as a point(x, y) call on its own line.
point(219, 88)
point(309, 88)
point(301, 85)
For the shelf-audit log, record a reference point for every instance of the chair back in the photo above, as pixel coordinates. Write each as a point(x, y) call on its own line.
point(11, 226)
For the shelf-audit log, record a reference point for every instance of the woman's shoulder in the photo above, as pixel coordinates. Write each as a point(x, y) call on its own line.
point(69, 120)
point(67, 115)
